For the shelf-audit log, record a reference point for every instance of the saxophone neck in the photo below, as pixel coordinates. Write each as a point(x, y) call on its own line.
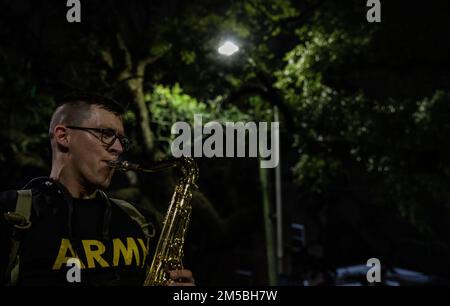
point(187, 165)
point(190, 170)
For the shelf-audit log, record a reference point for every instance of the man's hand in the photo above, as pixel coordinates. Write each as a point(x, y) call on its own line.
point(181, 278)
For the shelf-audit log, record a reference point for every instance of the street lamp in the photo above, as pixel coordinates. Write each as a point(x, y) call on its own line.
point(228, 48)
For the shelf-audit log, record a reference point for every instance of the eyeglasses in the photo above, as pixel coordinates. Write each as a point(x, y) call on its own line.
point(107, 136)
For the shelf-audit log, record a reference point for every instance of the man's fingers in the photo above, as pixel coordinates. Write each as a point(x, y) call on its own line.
point(186, 274)
point(183, 276)
point(182, 284)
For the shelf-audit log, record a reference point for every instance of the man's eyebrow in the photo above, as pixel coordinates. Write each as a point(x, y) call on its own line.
point(112, 129)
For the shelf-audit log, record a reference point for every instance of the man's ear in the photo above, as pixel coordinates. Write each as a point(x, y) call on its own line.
point(61, 136)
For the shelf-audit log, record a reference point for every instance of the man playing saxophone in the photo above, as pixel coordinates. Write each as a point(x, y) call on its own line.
point(67, 222)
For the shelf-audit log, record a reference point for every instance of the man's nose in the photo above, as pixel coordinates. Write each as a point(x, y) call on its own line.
point(116, 147)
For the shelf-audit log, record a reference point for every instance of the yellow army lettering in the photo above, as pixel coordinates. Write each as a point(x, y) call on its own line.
point(94, 250)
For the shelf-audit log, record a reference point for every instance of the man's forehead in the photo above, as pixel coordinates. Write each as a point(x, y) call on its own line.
point(104, 118)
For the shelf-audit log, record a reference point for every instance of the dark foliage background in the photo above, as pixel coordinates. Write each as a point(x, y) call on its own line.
point(364, 111)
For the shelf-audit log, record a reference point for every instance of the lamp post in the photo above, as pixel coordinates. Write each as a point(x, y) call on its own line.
point(278, 203)
point(274, 253)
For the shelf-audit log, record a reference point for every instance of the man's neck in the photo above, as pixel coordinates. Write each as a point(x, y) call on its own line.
point(75, 189)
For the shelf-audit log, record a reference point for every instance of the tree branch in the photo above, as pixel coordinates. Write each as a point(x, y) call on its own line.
point(270, 94)
point(107, 58)
point(303, 16)
point(127, 62)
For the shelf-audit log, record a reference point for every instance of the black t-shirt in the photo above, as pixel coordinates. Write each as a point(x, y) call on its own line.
point(110, 246)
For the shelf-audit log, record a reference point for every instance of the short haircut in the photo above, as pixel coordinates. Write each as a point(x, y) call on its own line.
point(74, 108)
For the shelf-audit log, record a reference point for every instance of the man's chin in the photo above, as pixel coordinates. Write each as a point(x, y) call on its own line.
point(102, 185)
point(106, 180)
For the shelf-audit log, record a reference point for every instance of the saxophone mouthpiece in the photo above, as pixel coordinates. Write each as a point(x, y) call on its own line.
point(113, 163)
point(123, 165)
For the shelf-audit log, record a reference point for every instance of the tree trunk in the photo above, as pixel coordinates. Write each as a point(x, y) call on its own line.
point(136, 88)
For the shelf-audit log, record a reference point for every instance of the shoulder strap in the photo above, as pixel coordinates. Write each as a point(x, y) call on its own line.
point(147, 227)
point(23, 207)
point(20, 218)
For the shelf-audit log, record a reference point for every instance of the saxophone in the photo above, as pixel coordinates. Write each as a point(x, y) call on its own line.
point(169, 250)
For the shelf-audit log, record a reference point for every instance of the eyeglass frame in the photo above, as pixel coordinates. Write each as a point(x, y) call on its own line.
point(124, 141)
